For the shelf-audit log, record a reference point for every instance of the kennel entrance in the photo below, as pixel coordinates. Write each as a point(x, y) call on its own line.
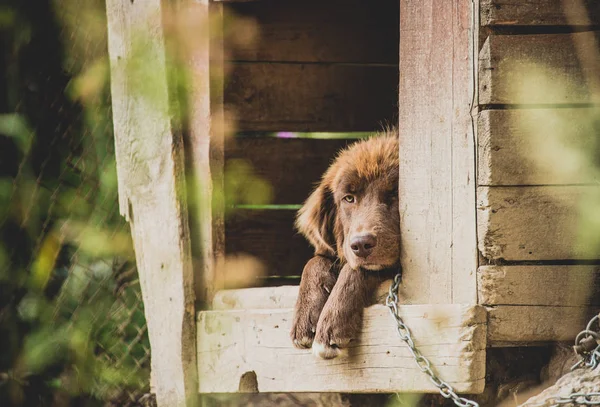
point(320, 67)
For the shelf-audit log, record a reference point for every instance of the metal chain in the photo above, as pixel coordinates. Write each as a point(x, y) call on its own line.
point(584, 399)
point(424, 365)
point(587, 345)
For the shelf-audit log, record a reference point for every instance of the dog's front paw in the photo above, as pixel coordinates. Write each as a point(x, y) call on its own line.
point(304, 327)
point(335, 331)
point(318, 279)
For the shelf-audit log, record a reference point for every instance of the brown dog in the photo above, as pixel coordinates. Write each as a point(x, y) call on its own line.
point(352, 220)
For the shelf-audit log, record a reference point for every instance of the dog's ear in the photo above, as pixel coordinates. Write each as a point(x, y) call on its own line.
point(316, 220)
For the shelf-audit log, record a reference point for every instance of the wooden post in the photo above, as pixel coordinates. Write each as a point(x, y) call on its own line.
point(437, 153)
point(152, 194)
point(204, 59)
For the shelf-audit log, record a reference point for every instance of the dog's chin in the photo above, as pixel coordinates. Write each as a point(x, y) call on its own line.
point(369, 265)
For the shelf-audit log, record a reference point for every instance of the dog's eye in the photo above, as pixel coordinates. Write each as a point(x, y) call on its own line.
point(349, 198)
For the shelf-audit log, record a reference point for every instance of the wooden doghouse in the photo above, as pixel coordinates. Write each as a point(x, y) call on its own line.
point(489, 244)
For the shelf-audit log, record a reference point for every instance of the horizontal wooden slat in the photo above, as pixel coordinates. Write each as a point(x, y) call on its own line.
point(539, 285)
point(358, 31)
point(536, 12)
point(536, 223)
point(231, 343)
point(275, 297)
point(521, 325)
point(311, 97)
point(536, 69)
point(515, 318)
point(537, 146)
point(268, 235)
point(256, 298)
point(291, 166)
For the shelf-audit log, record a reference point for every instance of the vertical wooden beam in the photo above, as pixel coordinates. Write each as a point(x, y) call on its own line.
point(206, 152)
point(152, 194)
point(437, 153)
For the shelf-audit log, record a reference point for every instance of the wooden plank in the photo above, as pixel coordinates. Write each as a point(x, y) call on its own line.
point(539, 285)
point(232, 343)
point(437, 152)
point(268, 235)
point(537, 147)
point(256, 298)
point(275, 297)
point(356, 31)
point(204, 140)
point(538, 69)
point(307, 97)
point(538, 13)
point(150, 171)
point(521, 325)
point(292, 167)
point(537, 223)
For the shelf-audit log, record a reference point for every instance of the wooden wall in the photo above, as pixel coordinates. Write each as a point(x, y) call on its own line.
point(318, 66)
point(537, 167)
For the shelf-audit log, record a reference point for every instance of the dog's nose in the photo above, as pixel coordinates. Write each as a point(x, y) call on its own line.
point(363, 245)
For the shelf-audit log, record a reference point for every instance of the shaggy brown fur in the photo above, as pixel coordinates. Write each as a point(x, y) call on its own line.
point(352, 221)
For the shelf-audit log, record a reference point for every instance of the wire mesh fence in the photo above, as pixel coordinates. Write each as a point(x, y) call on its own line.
point(72, 323)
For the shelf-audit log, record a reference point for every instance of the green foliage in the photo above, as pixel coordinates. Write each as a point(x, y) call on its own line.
point(72, 327)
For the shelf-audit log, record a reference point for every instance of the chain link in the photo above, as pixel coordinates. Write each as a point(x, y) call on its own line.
point(424, 365)
point(587, 345)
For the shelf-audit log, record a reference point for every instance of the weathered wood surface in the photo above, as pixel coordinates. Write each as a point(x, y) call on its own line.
point(357, 31)
point(537, 146)
point(269, 235)
point(578, 381)
point(231, 343)
point(538, 69)
point(311, 97)
point(538, 12)
point(536, 223)
point(292, 167)
point(513, 322)
point(539, 285)
point(437, 174)
point(274, 297)
point(205, 152)
point(519, 325)
point(150, 178)
point(256, 298)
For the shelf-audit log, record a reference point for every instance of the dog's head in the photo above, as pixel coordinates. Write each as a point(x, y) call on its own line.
point(353, 213)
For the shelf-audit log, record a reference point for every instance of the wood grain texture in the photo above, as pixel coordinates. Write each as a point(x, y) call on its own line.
point(256, 298)
point(150, 176)
point(519, 325)
point(231, 343)
point(537, 13)
point(536, 223)
point(539, 285)
point(268, 235)
point(205, 152)
point(437, 172)
point(538, 69)
point(307, 97)
point(578, 381)
point(357, 31)
point(521, 313)
point(537, 147)
point(292, 167)
point(275, 297)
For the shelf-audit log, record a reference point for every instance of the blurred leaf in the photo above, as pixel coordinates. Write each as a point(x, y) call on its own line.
point(15, 125)
point(44, 347)
point(7, 17)
point(45, 261)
